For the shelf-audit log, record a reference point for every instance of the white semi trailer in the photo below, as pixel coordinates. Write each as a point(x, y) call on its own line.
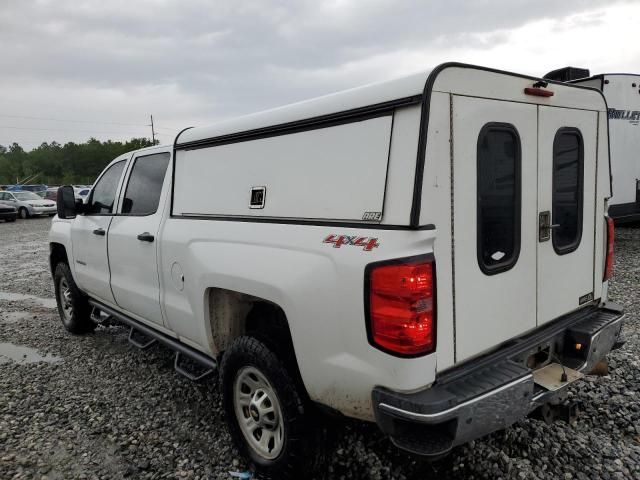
point(622, 92)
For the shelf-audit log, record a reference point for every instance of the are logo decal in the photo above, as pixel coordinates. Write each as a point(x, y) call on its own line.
point(367, 243)
point(372, 216)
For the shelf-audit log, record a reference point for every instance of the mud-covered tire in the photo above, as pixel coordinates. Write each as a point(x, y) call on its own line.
point(299, 451)
point(73, 307)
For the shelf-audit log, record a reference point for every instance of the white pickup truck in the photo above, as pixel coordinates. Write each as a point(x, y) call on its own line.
point(431, 254)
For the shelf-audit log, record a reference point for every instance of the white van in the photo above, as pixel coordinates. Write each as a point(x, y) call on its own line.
point(622, 92)
point(431, 254)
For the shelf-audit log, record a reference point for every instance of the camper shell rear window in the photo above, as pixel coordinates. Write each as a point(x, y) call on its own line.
point(498, 197)
point(568, 189)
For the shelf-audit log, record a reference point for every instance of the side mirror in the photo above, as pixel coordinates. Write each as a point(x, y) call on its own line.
point(81, 206)
point(66, 202)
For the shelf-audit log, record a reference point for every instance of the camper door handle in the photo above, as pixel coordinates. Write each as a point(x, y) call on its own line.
point(554, 225)
point(145, 237)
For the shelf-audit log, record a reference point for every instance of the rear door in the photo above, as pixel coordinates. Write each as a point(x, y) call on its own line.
point(567, 148)
point(132, 238)
point(494, 221)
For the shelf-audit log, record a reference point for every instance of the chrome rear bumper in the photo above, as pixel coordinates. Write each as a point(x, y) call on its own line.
point(495, 391)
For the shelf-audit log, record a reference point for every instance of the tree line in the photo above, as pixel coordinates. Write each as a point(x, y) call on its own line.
point(56, 164)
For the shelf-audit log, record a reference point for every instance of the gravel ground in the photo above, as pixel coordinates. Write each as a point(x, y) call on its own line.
point(93, 407)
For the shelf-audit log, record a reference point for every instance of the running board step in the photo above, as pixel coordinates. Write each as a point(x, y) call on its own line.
point(98, 316)
point(190, 369)
point(136, 342)
point(208, 364)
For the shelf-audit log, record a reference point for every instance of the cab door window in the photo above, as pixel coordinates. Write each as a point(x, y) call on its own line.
point(104, 192)
point(145, 184)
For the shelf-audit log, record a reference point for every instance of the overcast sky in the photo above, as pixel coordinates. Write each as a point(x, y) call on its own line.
point(80, 68)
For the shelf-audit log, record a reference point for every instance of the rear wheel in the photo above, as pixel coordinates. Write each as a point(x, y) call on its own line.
point(73, 307)
point(23, 212)
point(265, 412)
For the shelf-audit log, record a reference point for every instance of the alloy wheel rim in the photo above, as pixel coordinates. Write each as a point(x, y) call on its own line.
point(258, 413)
point(65, 298)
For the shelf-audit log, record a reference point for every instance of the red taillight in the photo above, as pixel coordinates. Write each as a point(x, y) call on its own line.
point(608, 265)
point(401, 307)
point(538, 92)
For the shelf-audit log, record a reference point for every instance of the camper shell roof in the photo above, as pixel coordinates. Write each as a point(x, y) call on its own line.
point(340, 106)
point(382, 99)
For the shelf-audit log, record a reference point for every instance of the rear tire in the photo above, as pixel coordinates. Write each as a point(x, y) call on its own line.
point(24, 213)
point(73, 307)
point(266, 415)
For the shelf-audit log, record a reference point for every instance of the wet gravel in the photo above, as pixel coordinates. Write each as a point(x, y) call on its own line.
point(92, 407)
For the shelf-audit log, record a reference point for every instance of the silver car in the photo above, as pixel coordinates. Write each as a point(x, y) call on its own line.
point(29, 203)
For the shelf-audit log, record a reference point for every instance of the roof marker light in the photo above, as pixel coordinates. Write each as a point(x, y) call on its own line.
point(538, 92)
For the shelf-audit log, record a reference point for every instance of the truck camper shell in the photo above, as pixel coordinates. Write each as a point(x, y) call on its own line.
point(411, 109)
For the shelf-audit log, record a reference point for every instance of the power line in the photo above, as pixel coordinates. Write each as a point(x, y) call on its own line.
point(27, 117)
point(67, 130)
point(48, 119)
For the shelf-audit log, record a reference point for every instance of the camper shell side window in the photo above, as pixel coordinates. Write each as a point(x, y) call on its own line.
point(498, 197)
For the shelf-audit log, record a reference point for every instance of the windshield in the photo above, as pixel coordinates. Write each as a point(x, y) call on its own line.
point(27, 196)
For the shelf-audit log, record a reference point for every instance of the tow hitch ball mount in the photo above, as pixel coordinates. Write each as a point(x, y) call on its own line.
point(566, 411)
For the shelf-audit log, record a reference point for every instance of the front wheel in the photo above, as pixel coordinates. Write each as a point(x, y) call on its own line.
point(265, 412)
point(73, 307)
point(24, 213)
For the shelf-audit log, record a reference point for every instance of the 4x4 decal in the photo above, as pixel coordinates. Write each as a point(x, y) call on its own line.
point(367, 243)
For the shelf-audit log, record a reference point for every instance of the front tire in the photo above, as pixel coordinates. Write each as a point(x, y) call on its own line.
point(24, 213)
point(265, 412)
point(73, 307)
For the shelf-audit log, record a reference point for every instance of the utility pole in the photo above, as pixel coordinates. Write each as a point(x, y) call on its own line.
point(153, 133)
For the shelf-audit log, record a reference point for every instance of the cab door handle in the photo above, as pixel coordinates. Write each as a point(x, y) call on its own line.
point(145, 237)
point(99, 231)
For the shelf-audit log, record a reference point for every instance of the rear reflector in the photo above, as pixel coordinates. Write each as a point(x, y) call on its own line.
point(608, 265)
point(401, 316)
point(538, 92)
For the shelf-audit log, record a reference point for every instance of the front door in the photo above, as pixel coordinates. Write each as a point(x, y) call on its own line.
point(89, 236)
point(494, 228)
point(566, 203)
point(133, 246)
